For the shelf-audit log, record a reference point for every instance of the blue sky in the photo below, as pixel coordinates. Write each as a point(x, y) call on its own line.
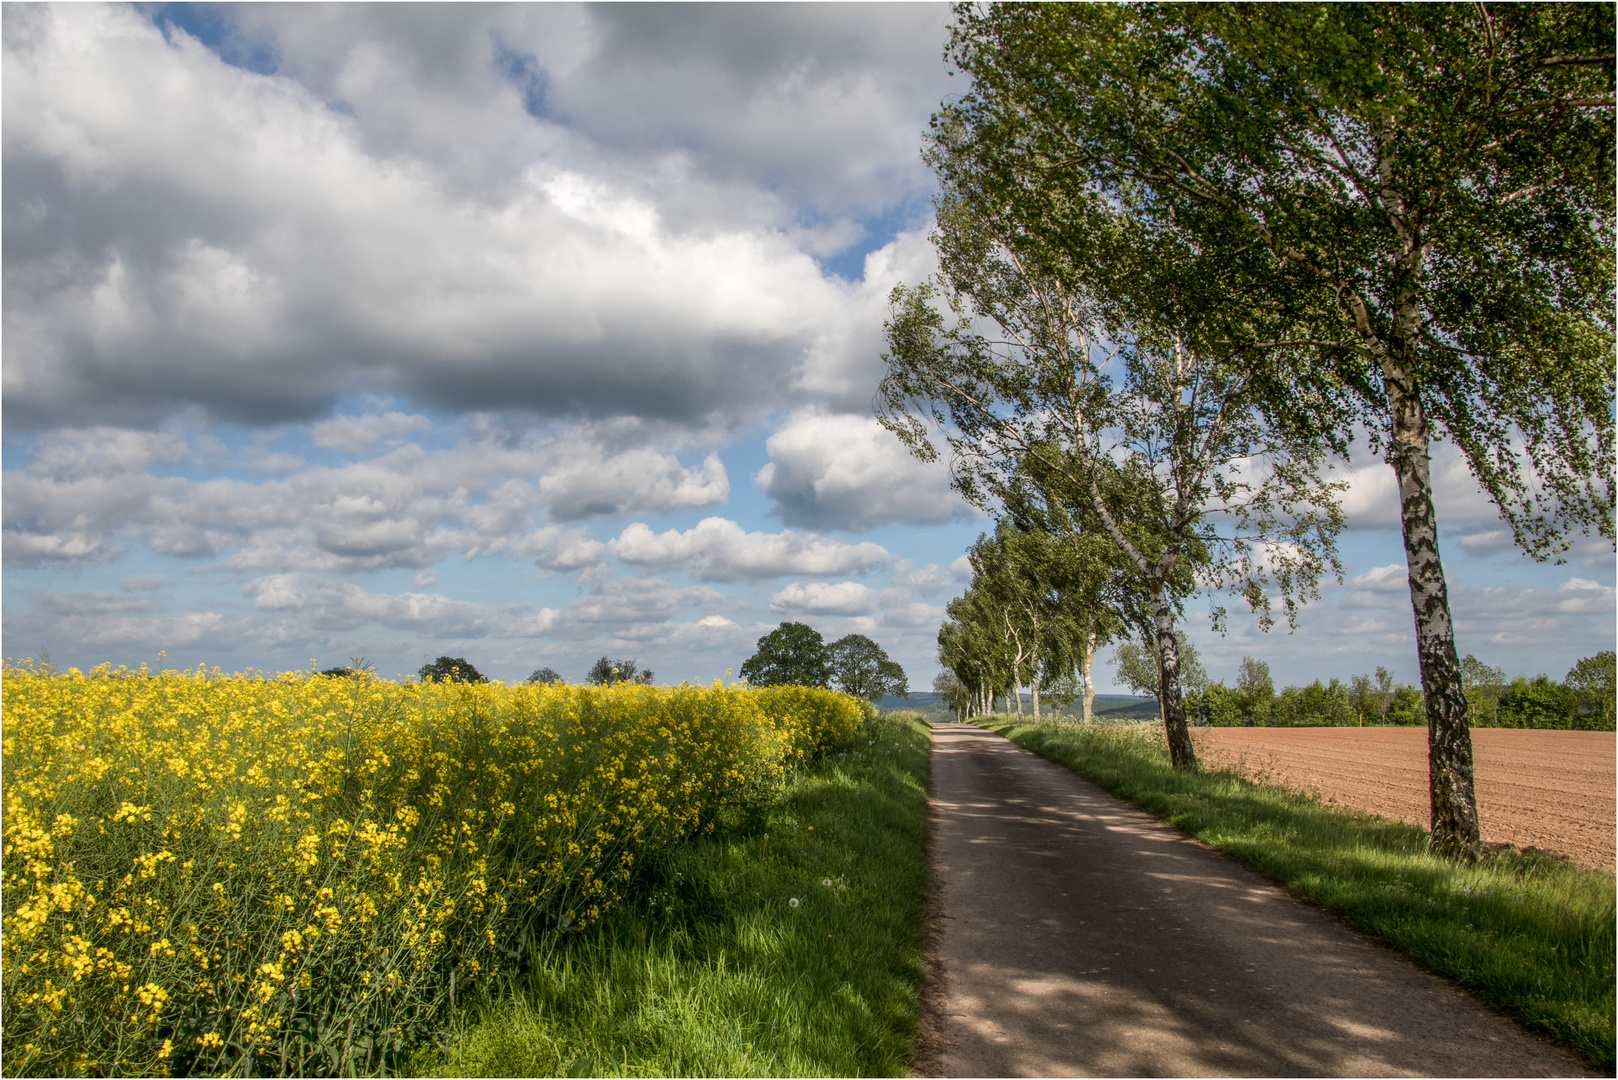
point(528, 335)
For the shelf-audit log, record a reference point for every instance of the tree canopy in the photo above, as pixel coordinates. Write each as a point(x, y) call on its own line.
point(607, 672)
point(792, 653)
point(451, 669)
point(861, 667)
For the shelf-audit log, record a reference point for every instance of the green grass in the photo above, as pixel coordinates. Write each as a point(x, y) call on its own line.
point(1532, 934)
point(711, 971)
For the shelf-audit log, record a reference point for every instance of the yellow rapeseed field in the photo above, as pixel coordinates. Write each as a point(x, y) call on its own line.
point(296, 874)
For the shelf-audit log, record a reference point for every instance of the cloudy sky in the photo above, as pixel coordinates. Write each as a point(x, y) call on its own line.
point(525, 334)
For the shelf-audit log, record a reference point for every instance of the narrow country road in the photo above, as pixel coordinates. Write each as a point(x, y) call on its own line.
point(1076, 935)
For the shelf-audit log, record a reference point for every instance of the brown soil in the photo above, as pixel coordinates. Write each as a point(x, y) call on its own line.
point(1545, 789)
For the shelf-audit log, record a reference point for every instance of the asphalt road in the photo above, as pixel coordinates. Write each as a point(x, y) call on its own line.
point(1075, 935)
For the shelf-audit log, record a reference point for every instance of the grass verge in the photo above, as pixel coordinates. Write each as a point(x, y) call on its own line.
point(1532, 934)
point(713, 971)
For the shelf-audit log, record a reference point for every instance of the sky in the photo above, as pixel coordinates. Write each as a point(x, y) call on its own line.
point(530, 334)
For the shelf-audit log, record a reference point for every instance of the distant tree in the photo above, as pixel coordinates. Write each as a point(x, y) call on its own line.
point(861, 667)
point(953, 693)
point(1483, 685)
point(1591, 683)
point(1217, 706)
point(792, 653)
point(357, 666)
point(1370, 698)
point(1061, 686)
point(972, 643)
point(1536, 703)
point(1139, 668)
point(451, 669)
point(1407, 709)
point(1254, 690)
point(545, 675)
point(607, 672)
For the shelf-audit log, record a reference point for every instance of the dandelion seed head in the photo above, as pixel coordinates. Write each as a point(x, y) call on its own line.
point(793, 902)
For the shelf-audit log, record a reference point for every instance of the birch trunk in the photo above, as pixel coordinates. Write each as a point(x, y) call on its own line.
point(1089, 683)
point(1182, 754)
point(1449, 734)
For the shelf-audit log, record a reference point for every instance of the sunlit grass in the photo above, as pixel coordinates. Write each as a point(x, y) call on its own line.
point(1532, 934)
point(712, 972)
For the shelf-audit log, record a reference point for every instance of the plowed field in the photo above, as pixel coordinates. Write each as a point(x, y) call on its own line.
point(1546, 789)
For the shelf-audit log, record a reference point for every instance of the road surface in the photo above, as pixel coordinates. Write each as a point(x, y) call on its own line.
point(1076, 935)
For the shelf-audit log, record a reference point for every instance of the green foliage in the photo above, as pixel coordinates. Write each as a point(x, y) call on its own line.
point(1536, 703)
point(450, 669)
point(1137, 667)
point(1484, 685)
point(861, 667)
point(1217, 706)
point(605, 672)
point(791, 653)
point(1315, 705)
point(1529, 933)
point(709, 972)
point(1370, 699)
point(544, 675)
point(1591, 683)
point(952, 692)
point(1418, 196)
point(1408, 708)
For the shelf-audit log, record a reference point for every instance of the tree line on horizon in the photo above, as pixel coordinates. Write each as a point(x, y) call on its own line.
point(1190, 255)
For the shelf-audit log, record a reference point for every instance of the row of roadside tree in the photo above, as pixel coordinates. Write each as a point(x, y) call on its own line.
point(1190, 255)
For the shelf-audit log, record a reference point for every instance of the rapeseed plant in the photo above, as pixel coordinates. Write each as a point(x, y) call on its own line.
point(243, 874)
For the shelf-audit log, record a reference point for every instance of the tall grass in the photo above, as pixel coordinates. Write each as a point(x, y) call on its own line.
point(1532, 934)
point(300, 874)
point(713, 972)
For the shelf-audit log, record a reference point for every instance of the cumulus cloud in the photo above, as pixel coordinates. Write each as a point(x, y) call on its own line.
point(848, 472)
point(184, 231)
point(589, 483)
point(719, 549)
point(327, 605)
point(818, 597)
point(362, 434)
point(1383, 579)
point(83, 493)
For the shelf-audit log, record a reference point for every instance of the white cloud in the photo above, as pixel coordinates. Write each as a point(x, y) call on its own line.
point(1384, 579)
point(590, 483)
point(718, 549)
point(848, 472)
point(326, 605)
point(381, 215)
point(362, 434)
point(408, 507)
point(1584, 596)
point(818, 597)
